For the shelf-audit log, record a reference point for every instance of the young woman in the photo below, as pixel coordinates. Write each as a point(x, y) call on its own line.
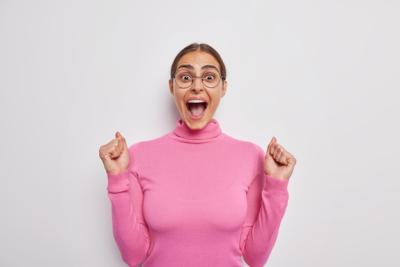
point(196, 196)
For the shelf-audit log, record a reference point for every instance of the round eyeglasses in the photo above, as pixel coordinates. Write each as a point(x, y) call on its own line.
point(210, 79)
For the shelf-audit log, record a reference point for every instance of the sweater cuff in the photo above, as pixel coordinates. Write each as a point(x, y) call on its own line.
point(118, 182)
point(274, 183)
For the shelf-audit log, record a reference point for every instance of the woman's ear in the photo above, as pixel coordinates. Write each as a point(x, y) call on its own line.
point(224, 87)
point(171, 87)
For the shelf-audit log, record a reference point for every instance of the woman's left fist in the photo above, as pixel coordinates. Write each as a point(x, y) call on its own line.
point(278, 162)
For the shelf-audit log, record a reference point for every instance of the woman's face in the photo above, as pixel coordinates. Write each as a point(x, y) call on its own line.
point(200, 64)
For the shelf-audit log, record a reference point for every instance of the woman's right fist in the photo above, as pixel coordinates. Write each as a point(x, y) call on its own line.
point(115, 155)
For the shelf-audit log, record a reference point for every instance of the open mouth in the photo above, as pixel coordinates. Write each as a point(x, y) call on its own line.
point(196, 107)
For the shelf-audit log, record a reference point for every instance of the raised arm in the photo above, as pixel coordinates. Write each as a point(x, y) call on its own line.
point(267, 199)
point(126, 196)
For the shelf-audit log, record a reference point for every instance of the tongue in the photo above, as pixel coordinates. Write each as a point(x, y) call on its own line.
point(196, 110)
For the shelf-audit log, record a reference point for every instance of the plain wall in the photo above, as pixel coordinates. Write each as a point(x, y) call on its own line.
point(321, 76)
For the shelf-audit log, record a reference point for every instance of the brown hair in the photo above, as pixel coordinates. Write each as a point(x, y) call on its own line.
point(202, 47)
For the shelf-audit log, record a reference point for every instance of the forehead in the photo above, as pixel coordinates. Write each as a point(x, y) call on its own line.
point(198, 59)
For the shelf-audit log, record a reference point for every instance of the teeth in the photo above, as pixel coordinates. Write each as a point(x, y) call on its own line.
point(196, 101)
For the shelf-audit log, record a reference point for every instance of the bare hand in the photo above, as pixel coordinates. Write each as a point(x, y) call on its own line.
point(279, 163)
point(115, 155)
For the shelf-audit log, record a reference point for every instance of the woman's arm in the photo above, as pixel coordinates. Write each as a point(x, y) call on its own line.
point(267, 199)
point(129, 230)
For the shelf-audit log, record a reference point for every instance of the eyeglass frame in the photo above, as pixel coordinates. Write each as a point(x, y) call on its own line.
point(202, 81)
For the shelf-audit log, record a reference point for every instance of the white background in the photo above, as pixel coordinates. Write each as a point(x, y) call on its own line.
point(321, 76)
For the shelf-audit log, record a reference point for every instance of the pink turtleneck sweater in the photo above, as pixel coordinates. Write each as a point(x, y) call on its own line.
point(196, 198)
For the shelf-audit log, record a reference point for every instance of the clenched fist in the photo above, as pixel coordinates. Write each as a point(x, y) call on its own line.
point(278, 162)
point(115, 155)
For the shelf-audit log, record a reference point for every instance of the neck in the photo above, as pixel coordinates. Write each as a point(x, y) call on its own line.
point(182, 132)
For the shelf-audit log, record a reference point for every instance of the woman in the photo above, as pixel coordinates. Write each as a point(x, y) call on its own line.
point(196, 196)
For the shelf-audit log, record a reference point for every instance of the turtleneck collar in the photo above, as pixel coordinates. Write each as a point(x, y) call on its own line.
point(209, 132)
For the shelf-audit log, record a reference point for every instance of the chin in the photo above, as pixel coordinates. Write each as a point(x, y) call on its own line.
point(197, 124)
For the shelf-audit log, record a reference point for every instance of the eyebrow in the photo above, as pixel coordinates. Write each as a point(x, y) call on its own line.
point(203, 67)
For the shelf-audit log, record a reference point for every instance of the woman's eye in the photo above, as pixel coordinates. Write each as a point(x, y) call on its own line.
point(185, 77)
point(209, 77)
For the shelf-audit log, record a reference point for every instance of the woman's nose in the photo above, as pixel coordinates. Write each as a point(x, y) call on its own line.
point(197, 84)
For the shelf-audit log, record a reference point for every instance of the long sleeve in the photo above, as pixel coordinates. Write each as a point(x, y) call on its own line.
point(267, 199)
point(129, 229)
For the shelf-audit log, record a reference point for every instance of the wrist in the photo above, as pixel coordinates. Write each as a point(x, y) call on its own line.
point(117, 172)
point(275, 176)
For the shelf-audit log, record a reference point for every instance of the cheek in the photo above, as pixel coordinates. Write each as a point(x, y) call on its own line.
point(215, 99)
point(180, 103)
point(179, 98)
